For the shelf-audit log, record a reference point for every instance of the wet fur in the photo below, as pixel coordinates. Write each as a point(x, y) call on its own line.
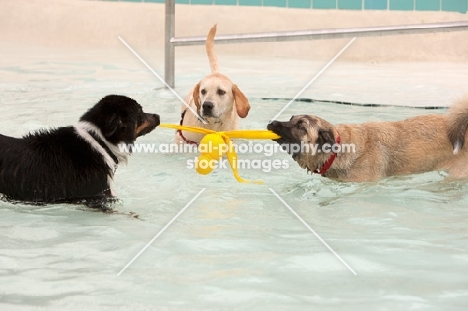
point(68, 164)
point(228, 101)
point(416, 145)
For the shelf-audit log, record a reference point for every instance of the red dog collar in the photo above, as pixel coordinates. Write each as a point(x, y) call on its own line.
point(329, 162)
point(188, 141)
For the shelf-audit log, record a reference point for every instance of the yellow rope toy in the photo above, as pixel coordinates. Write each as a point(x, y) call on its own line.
point(215, 145)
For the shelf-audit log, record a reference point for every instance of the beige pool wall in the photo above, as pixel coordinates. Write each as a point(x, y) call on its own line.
point(78, 25)
point(410, 70)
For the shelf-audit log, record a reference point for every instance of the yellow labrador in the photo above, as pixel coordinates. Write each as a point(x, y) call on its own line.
point(374, 150)
point(216, 99)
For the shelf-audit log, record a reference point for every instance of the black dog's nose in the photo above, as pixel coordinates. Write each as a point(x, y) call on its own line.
point(153, 118)
point(208, 106)
point(156, 118)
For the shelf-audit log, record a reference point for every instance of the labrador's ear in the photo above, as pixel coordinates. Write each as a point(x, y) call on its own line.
point(325, 136)
point(242, 103)
point(196, 97)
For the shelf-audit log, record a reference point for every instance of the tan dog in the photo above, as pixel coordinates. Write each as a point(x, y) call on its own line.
point(416, 145)
point(217, 100)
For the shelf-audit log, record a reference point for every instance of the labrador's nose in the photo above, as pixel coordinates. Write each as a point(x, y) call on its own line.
point(208, 106)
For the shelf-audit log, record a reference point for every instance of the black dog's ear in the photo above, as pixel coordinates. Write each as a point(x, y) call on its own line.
point(112, 124)
point(325, 136)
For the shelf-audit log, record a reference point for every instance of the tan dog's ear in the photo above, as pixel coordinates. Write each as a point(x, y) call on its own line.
point(196, 98)
point(325, 136)
point(242, 103)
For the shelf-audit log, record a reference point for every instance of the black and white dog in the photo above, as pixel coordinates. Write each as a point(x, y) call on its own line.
point(75, 163)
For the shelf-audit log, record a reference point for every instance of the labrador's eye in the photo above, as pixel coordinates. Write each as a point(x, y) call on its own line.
point(203, 92)
point(221, 92)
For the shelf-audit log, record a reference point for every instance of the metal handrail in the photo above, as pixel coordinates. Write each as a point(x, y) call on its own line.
point(317, 34)
point(282, 36)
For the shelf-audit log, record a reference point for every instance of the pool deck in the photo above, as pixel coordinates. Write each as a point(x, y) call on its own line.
point(408, 70)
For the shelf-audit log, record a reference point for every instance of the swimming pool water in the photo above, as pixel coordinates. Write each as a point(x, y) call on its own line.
point(237, 246)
